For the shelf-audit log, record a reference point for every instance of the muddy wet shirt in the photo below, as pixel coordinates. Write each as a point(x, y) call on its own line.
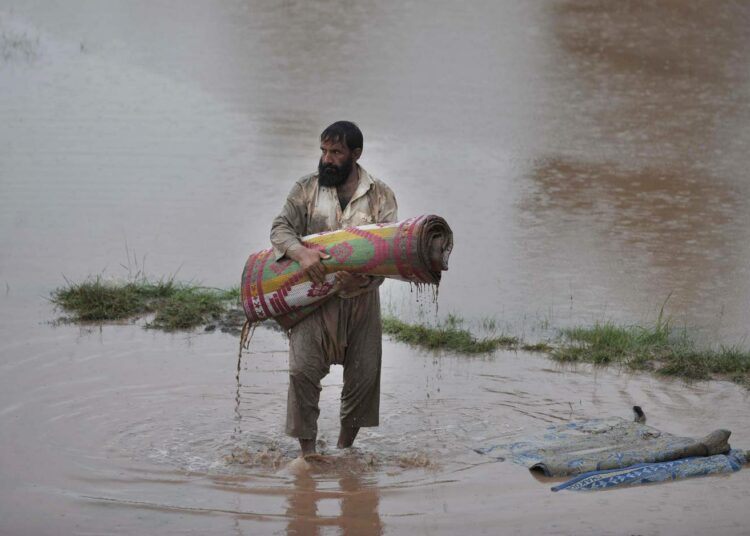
point(342, 331)
point(311, 208)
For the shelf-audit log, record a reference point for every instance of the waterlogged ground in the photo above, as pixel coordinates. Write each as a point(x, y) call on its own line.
point(589, 156)
point(119, 430)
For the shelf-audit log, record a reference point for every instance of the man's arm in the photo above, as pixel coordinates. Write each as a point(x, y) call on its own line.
point(286, 230)
point(289, 225)
point(388, 212)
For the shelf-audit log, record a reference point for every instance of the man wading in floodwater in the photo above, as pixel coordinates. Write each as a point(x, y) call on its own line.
point(346, 329)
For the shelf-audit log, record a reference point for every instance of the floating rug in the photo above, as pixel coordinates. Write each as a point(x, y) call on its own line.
point(414, 250)
point(647, 473)
point(603, 444)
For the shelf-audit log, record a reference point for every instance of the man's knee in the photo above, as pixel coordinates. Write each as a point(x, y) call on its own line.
point(302, 373)
point(363, 369)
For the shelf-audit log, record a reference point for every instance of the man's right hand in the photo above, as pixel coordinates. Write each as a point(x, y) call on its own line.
point(309, 260)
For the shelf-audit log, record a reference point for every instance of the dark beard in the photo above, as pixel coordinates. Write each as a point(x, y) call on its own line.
point(332, 175)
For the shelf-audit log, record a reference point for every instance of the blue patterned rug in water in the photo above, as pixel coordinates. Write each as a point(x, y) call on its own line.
point(580, 447)
point(646, 473)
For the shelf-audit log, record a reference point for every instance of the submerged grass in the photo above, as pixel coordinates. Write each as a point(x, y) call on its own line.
point(187, 308)
point(447, 336)
point(97, 299)
point(176, 305)
point(659, 348)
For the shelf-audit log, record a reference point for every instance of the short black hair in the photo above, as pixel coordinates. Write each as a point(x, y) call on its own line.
point(344, 132)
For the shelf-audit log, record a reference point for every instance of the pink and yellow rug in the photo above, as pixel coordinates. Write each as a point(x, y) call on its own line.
point(414, 250)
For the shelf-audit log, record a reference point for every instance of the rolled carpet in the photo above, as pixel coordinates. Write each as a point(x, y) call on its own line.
point(603, 444)
point(415, 250)
point(648, 473)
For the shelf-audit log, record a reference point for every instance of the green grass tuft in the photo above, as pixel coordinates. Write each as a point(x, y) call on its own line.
point(188, 308)
point(657, 348)
point(537, 347)
point(447, 336)
point(96, 299)
point(230, 295)
point(177, 306)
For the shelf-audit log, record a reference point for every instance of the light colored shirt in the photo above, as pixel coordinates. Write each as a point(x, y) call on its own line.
point(312, 208)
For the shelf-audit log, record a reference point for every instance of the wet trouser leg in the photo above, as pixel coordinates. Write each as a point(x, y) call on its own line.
point(307, 366)
point(345, 332)
point(360, 397)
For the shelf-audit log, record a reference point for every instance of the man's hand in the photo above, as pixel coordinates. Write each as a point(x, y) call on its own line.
point(348, 282)
point(309, 261)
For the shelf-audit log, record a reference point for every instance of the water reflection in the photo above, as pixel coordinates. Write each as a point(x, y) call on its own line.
point(310, 508)
point(641, 173)
point(673, 221)
point(646, 82)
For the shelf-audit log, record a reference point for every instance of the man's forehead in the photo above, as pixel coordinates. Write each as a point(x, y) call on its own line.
point(331, 144)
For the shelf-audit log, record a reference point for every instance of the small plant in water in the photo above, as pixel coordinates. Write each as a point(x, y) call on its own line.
point(176, 305)
point(97, 299)
point(448, 335)
point(659, 347)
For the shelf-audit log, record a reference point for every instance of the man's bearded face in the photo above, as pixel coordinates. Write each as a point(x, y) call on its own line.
point(333, 175)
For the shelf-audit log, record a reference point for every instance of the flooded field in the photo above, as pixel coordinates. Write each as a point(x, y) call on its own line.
point(590, 157)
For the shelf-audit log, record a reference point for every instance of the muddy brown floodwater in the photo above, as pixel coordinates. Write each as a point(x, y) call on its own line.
point(590, 156)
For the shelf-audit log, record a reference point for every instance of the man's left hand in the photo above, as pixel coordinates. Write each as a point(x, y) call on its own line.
point(348, 282)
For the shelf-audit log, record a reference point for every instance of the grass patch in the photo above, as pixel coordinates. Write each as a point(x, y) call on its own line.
point(188, 308)
point(659, 348)
point(538, 347)
point(96, 299)
point(179, 306)
point(176, 306)
point(448, 336)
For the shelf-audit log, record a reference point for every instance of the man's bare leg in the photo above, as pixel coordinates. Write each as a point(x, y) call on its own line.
point(347, 436)
point(307, 446)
